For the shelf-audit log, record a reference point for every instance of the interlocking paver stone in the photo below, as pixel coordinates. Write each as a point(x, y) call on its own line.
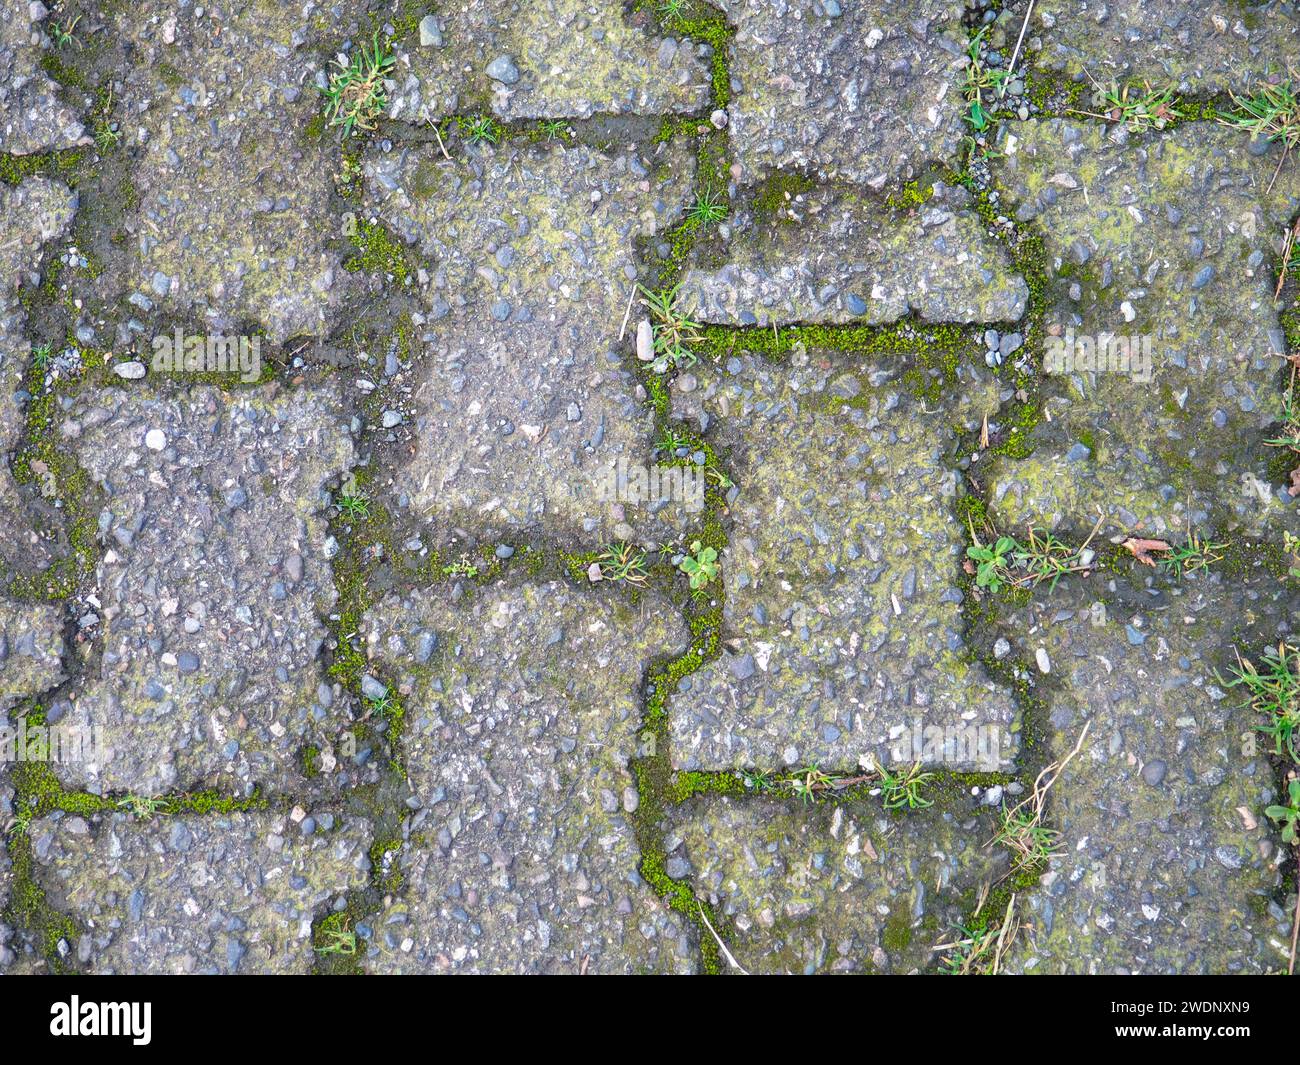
point(871, 94)
point(525, 402)
point(843, 889)
point(523, 714)
point(212, 585)
point(545, 59)
point(837, 257)
point(33, 118)
point(227, 893)
point(1168, 240)
point(1218, 46)
point(222, 100)
point(843, 616)
point(1167, 864)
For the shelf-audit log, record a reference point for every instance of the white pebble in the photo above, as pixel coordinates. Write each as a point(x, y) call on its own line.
point(155, 440)
point(1044, 663)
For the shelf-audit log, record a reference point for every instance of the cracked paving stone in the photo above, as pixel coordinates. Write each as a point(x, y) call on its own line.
point(545, 59)
point(842, 634)
point(1163, 245)
point(31, 650)
point(526, 406)
point(839, 258)
point(234, 219)
point(521, 855)
point(222, 893)
point(835, 888)
point(33, 118)
point(1167, 863)
point(871, 95)
point(212, 586)
point(1204, 48)
point(33, 215)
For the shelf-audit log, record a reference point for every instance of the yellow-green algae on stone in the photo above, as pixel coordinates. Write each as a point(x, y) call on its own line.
point(837, 257)
point(1167, 243)
point(843, 626)
point(544, 59)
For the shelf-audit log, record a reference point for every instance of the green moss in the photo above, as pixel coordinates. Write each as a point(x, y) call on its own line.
point(378, 251)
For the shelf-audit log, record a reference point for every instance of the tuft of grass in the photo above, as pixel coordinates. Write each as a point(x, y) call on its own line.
point(1137, 108)
point(555, 129)
point(1271, 112)
point(709, 207)
point(623, 562)
point(903, 790)
point(354, 506)
point(355, 96)
point(62, 33)
point(1031, 843)
point(674, 333)
point(807, 782)
point(143, 807)
point(337, 941)
point(1273, 690)
point(1190, 556)
point(480, 129)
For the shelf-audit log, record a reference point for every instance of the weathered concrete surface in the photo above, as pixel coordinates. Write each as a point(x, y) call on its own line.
point(833, 256)
point(211, 894)
point(1168, 239)
point(35, 119)
point(843, 616)
point(522, 715)
point(526, 403)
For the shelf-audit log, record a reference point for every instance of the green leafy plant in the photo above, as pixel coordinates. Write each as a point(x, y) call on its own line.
point(992, 563)
point(143, 807)
point(1274, 691)
point(355, 96)
point(106, 137)
point(623, 562)
point(709, 207)
point(1271, 112)
point(700, 565)
point(480, 129)
point(354, 506)
point(756, 779)
point(670, 441)
point(1291, 545)
point(903, 790)
point(673, 332)
point(1288, 816)
point(463, 568)
point(671, 10)
point(807, 782)
point(42, 356)
point(979, 81)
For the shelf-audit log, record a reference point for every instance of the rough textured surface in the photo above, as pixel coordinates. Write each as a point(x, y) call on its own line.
point(545, 59)
point(211, 585)
point(521, 856)
point(1166, 239)
point(33, 215)
point(224, 97)
point(34, 118)
point(526, 402)
point(843, 619)
point(219, 894)
point(871, 94)
point(1204, 48)
point(839, 258)
point(838, 889)
point(31, 650)
point(1165, 866)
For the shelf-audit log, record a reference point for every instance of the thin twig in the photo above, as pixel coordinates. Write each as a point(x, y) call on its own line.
point(433, 125)
point(1020, 40)
point(721, 945)
point(627, 313)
